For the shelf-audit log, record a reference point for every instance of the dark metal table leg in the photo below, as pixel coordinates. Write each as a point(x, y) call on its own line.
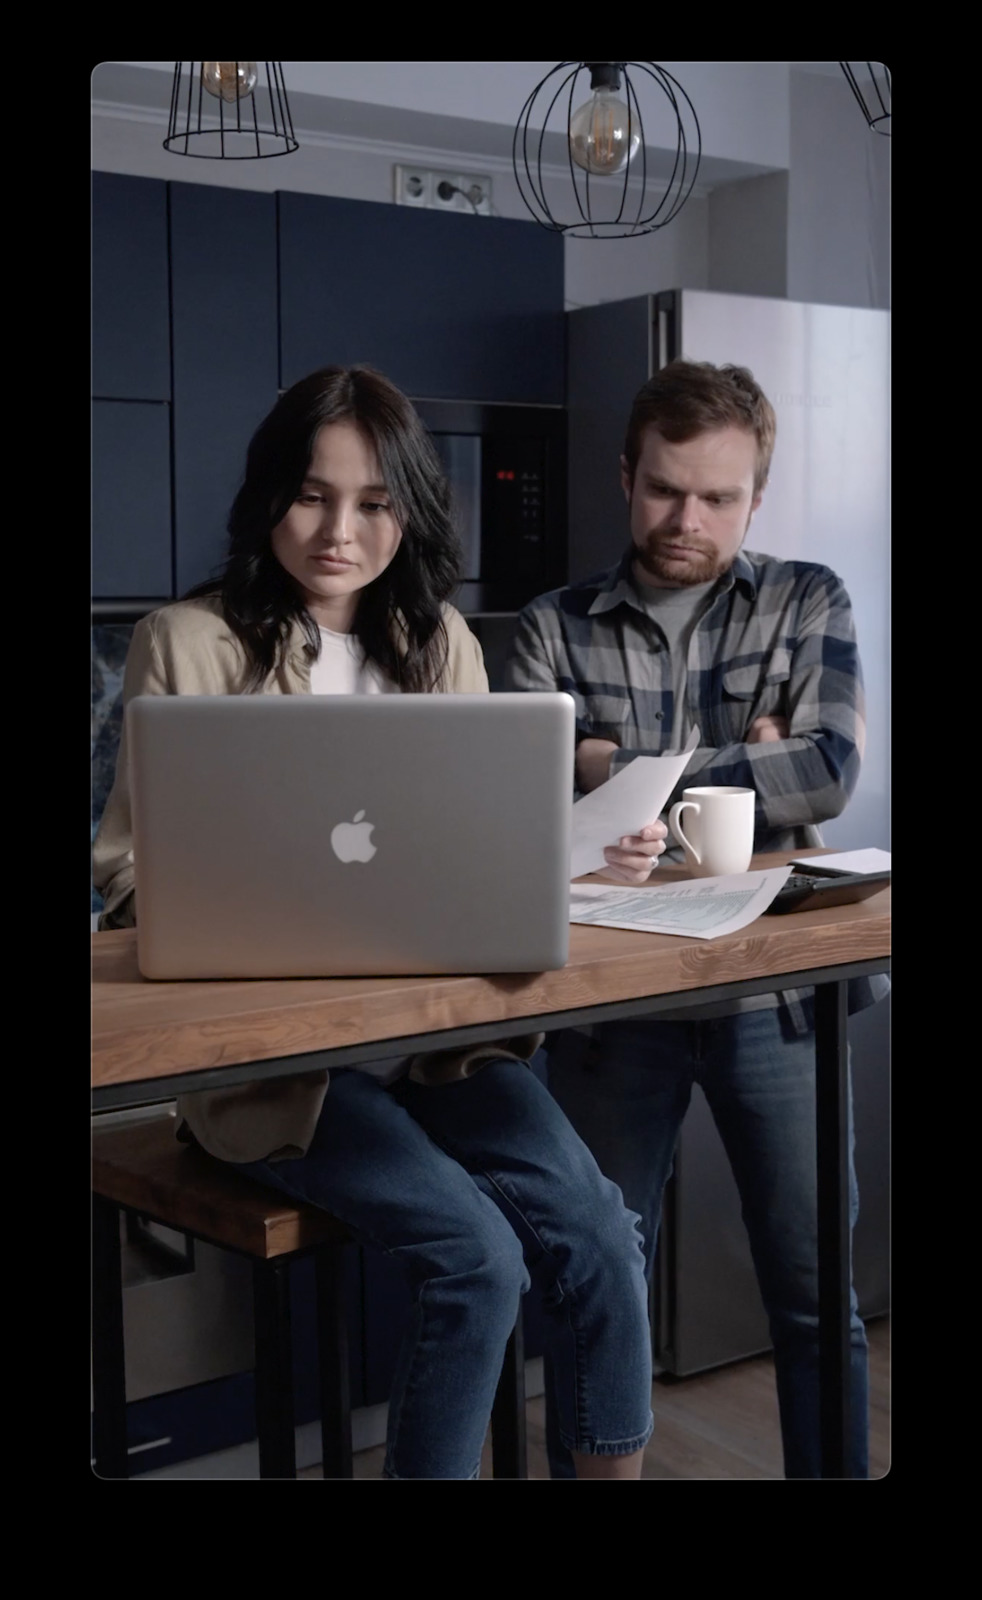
point(831, 1094)
point(509, 1450)
point(274, 1370)
point(108, 1355)
point(332, 1337)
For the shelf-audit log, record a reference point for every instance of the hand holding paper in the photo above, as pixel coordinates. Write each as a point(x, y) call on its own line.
point(634, 856)
point(623, 805)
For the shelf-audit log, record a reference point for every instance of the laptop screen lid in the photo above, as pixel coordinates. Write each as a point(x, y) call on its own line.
point(328, 836)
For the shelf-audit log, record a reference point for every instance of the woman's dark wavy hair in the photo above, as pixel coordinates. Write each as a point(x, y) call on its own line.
point(398, 621)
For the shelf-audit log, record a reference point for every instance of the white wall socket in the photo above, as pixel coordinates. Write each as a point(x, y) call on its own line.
point(461, 191)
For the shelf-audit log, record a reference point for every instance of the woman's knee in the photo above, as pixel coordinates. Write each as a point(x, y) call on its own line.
point(604, 1243)
point(486, 1258)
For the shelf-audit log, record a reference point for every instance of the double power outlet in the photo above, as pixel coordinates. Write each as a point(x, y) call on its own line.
point(443, 191)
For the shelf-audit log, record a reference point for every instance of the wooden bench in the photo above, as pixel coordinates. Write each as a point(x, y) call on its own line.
point(141, 1169)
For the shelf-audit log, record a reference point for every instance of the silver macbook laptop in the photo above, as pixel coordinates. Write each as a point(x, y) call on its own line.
point(325, 836)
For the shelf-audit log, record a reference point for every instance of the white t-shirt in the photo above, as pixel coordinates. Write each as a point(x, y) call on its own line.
point(341, 668)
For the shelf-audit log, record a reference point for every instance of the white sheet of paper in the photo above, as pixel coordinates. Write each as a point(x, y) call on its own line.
point(850, 861)
point(623, 805)
point(701, 908)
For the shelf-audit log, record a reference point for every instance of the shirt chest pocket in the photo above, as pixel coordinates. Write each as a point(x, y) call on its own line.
point(759, 689)
point(604, 716)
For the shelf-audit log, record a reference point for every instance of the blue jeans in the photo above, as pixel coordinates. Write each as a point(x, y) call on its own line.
point(480, 1187)
point(627, 1088)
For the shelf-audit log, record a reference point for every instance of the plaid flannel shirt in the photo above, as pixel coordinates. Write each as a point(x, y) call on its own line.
point(777, 639)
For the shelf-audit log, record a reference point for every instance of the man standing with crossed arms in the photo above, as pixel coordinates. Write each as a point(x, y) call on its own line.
point(689, 630)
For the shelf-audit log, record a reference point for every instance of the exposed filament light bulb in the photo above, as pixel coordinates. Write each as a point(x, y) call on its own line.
point(229, 80)
point(603, 136)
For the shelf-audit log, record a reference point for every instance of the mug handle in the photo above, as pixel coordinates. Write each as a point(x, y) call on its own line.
point(676, 827)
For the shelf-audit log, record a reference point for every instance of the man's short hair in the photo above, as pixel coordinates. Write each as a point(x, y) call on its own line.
point(687, 398)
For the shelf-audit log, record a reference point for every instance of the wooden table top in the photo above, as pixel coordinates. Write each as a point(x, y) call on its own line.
point(146, 1030)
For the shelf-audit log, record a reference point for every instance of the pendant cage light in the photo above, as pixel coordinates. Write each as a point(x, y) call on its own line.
point(229, 111)
point(872, 91)
point(593, 108)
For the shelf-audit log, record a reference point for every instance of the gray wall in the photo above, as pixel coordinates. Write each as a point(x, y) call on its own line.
point(820, 232)
point(838, 199)
point(748, 237)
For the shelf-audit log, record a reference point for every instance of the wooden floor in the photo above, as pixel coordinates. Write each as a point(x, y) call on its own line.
point(721, 1424)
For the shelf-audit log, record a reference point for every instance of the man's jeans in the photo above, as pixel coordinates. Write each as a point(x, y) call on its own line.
point(477, 1187)
point(626, 1089)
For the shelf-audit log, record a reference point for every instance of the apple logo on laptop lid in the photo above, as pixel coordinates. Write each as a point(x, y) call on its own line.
point(352, 841)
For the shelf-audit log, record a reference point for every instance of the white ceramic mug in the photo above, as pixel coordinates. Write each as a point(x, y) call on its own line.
point(720, 824)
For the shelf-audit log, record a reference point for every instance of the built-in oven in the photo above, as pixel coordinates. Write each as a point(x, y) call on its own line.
point(507, 470)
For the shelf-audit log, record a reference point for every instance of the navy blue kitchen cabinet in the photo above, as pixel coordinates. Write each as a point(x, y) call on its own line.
point(131, 389)
point(223, 273)
point(448, 306)
point(130, 293)
point(131, 501)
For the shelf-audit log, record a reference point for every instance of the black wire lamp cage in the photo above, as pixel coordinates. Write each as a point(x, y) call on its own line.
point(612, 191)
point(872, 91)
point(229, 111)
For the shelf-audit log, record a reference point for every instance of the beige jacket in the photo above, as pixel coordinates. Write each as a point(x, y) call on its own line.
point(188, 648)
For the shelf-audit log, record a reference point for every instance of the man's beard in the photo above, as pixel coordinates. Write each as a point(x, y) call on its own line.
point(702, 567)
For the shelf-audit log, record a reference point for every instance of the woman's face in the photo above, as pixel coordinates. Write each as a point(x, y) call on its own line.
point(340, 531)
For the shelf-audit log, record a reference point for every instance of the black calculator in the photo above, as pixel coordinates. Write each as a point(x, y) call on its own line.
point(806, 891)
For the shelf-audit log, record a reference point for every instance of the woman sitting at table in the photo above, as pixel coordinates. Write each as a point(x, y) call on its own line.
point(342, 554)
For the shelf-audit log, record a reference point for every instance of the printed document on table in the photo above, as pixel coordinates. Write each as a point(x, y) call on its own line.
point(623, 805)
point(701, 908)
